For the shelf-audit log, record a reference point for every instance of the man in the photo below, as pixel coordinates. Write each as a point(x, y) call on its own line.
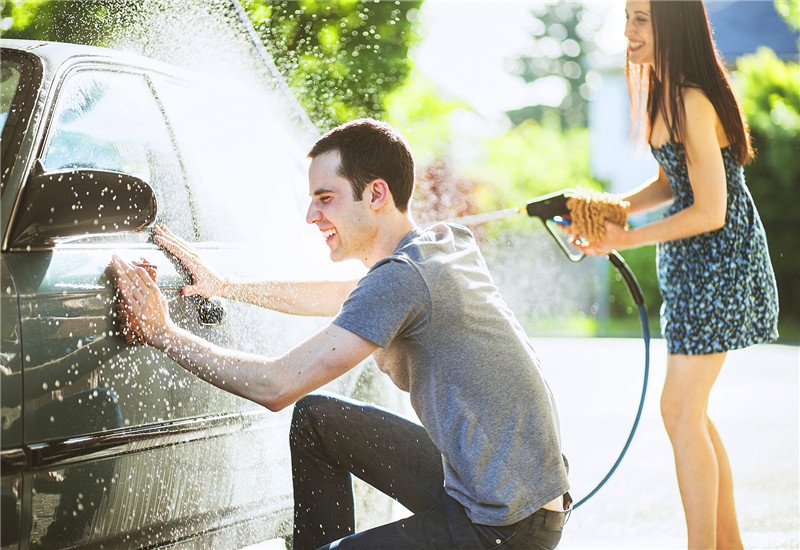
point(485, 468)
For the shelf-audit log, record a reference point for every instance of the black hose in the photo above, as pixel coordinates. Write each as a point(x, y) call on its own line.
point(638, 297)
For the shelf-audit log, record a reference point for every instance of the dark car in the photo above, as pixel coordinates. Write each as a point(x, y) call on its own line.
point(105, 443)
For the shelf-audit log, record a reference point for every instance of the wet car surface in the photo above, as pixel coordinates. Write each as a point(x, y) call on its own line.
point(107, 444)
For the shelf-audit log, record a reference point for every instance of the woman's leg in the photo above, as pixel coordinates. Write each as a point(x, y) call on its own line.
point(728, 535)
point(701, 463)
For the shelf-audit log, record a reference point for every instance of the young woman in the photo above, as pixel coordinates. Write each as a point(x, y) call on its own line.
point(714, 269)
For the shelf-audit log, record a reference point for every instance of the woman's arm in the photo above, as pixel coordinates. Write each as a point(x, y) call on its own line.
point(649, 196)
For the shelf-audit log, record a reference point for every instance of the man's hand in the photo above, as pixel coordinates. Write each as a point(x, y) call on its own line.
point(204, 281)
point(143, 307)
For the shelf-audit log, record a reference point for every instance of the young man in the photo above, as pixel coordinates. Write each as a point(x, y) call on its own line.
point(485, 469)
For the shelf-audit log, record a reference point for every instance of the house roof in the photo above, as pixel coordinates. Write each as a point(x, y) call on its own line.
point(741, 26)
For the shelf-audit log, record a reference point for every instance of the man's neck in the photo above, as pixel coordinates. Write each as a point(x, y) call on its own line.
point(389, 237)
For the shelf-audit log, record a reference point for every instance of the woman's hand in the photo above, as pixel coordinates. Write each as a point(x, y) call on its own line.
point(617, 238)
point(204, 281)
point(143, 309)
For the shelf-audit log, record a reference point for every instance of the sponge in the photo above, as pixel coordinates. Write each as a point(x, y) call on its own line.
point(128, 326)
point(589, 210)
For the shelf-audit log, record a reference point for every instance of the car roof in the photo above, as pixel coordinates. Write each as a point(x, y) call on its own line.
point(54, 54)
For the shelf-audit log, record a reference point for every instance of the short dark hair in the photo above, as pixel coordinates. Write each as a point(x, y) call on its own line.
point(370, 149)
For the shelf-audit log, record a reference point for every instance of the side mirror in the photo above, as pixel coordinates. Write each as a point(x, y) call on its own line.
point(76, 202)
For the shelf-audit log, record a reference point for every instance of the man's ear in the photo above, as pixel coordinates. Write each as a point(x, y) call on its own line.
point(381, 196)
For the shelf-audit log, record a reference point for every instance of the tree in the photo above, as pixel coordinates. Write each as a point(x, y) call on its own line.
point(790, 11)
point(76, 21)
point(341, 57)
point(559, 52)
point(770, 92)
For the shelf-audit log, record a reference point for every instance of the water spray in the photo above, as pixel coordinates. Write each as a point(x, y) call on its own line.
point(586, 212)
point(266, 59)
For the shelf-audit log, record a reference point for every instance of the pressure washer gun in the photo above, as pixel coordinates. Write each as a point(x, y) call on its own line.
point(553, 208)
point(570, 207)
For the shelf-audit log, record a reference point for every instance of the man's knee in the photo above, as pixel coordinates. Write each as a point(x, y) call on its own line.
point(313, 408)
point(310, 412)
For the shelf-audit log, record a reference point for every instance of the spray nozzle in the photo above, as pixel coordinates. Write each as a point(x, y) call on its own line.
point(553, 208)
point(550, 207)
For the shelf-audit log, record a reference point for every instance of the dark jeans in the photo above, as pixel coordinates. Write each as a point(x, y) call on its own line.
point(332, 438)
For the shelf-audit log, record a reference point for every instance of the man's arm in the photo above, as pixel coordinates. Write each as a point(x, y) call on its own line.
point(312, 298)
point(272, 382)
point(316, 298)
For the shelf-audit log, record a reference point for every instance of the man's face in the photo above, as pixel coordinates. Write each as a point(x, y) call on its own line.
point(346, 224)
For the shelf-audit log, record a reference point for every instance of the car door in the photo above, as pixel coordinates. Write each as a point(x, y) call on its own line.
point(125, 448)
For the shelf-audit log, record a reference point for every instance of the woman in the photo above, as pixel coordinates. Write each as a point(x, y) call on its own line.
point(714, 270)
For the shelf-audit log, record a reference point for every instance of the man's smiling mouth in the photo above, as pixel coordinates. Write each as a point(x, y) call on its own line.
point(328, 233)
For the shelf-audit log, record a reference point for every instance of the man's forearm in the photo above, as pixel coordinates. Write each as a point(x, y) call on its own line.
point(274, 383)
point(250, 376)
point(317, 298)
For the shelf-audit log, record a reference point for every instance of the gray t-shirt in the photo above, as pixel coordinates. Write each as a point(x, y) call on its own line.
point(448, 338)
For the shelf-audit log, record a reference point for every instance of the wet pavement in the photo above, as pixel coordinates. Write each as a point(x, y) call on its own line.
point(755, 405)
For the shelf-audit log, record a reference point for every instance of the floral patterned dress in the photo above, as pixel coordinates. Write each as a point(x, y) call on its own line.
point(718, 287)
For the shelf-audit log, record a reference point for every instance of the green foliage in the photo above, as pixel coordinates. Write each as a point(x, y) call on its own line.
point(770, 91)
point(530, 160)
point(790, 11)
point(341, 57)
point(418, 108)
point(76, 21)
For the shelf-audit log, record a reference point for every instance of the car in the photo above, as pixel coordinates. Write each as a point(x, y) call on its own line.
point(106, 443)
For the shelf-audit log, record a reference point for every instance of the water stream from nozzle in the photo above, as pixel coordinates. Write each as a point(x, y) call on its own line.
point(476, 219)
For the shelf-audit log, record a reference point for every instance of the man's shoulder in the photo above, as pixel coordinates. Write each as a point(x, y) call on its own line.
point(437, 239)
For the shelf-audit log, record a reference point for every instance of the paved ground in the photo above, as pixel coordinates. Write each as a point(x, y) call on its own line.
point(755, 406)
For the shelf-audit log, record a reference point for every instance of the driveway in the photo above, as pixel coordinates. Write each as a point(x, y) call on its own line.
point(755, 405)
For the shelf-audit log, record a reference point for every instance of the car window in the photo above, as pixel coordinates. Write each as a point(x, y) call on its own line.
point(244, 164)
point(9, 78)
point(112, 121)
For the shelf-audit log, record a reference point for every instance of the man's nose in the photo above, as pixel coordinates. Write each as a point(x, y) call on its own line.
point(313, 214)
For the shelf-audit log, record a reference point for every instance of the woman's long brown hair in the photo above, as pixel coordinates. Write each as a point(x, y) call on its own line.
point(685, 56)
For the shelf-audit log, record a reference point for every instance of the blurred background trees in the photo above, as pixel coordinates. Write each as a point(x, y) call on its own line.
point(770, 92)
point(561, 43)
